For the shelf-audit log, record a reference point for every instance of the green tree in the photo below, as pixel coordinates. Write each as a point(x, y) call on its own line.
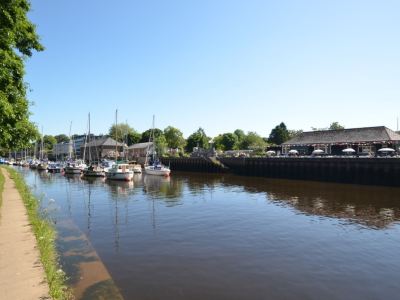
point(62, 138)
point(197, 139)
point(133, 137)
point(161, 145)
point(226, 141)
point(279, 134)
point(146, 135)
point(48, 142)
point(293, 133)
point(253, 141)
point(241, 136)
point(18, 39)
point(174, 138)
point(336, 126)
point(124, 133)
point(218, 142)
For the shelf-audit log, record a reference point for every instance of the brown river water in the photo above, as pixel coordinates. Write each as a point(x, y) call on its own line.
point(201, 236)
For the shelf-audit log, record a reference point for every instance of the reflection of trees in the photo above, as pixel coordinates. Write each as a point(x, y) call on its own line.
point(367, 205)
point(198, 183)
point(165, 188)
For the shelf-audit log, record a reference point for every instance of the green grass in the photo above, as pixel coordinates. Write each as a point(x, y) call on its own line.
point(1, 187)
point(45, 236)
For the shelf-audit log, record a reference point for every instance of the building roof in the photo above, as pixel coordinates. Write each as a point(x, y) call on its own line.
point(104, 141)
point(140, 145)
point(343, 136)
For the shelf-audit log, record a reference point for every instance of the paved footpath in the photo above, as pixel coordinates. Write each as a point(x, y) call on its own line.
point(21, 272)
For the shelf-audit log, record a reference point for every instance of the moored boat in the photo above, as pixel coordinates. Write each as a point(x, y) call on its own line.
point(54, 167)
point(94, 171)
point(119, 172)
point(157, 169)
point(75, 167)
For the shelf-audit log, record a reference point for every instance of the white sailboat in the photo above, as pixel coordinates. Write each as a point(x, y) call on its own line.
point(73, 166)
point(155, 167)
point(42, 166)
point(119, 171)
point(93, 170)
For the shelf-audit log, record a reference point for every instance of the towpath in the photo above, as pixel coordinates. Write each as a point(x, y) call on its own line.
point(21, 272)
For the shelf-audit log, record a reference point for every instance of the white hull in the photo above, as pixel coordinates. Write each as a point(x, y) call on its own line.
point(158, 172)
point(42, 167)
point(126, 176)
point(137, 170)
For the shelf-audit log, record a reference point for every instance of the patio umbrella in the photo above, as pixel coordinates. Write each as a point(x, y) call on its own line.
point(318, 151)
point(348, 150)
point(386, 150)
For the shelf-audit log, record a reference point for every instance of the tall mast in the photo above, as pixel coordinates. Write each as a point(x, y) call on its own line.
point(41, 147)
point(116, 134)
point(90, 153)
point(152, 139)
point(70, 142)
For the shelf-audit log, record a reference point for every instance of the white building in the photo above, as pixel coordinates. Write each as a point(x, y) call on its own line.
point(63, 150)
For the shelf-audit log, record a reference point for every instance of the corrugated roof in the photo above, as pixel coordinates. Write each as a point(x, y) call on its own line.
point(341, 136)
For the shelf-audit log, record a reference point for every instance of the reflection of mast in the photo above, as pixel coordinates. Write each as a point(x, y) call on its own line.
point(116, 233)
point(69, 198)
point(89, 212)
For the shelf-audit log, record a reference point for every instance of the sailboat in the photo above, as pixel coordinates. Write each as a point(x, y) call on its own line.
point(119, 171)
point(93, 170)
point(42, 166)
point(73, 166)
point(155, 167)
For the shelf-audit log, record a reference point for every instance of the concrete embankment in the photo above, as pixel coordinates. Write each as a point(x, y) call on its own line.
point(370, 171)
point(21, 272)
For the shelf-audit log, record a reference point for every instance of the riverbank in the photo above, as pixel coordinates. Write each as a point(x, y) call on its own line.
point(29, 266)
point(366, 171)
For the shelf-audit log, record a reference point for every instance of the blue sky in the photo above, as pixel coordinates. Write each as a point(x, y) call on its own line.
point(218, 64)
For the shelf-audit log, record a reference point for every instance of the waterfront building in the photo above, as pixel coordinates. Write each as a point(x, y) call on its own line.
point(139, 151)
point(103, 147)
point(63, 150)
point(366, 140)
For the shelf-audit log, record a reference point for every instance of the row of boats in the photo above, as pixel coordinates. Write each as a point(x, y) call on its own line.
point(109, 169)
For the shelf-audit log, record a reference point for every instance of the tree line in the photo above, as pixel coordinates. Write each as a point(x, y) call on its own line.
point(172, 138)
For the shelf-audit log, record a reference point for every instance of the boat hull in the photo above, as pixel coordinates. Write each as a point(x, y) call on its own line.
point(158, 172)
point(91, 173)
point(69, 170)
point(125, 176)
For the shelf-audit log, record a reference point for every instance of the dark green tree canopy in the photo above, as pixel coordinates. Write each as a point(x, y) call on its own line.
point(226, 141)
point(17, 41)
point(124, 133)
point(197, 139)
point(146, 135)
point(61, 138)
point(279, 134)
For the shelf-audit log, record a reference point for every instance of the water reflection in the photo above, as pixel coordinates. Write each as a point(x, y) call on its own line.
point(372, 206)
point(202, 236)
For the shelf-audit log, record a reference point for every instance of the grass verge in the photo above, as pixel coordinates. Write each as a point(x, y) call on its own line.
point(45, 236)
point(1, 187)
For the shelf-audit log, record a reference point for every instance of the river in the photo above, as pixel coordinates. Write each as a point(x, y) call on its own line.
point(203, 236)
